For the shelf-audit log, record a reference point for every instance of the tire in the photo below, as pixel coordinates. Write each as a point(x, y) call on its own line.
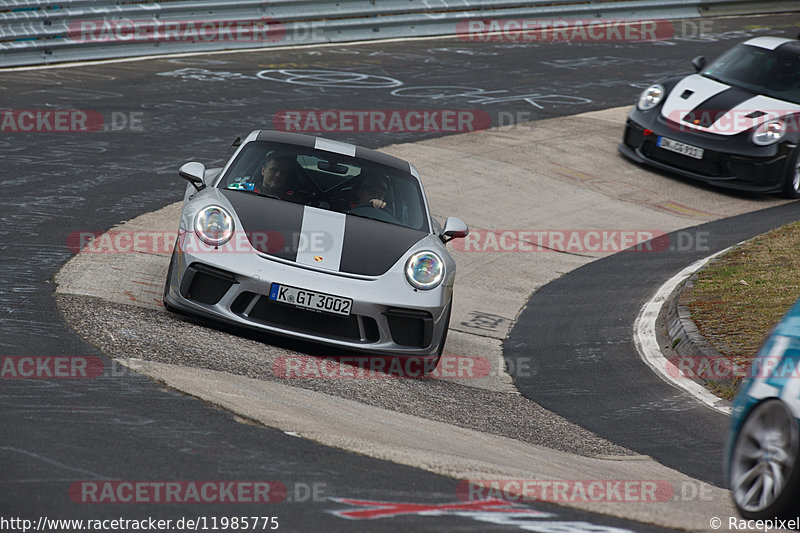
point(765, 463)
point(791, 183)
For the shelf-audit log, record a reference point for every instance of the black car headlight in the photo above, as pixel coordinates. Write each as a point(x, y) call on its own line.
point(769, 132)
point(214, 225)
point(425, 270)
point(650, 97)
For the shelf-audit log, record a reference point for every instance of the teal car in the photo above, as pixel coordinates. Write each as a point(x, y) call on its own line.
point(763, 457)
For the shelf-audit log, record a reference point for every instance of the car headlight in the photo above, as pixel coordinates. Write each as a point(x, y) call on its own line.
point(425, 270)
point(214, 225)
point(650, 97)
point(769, 132)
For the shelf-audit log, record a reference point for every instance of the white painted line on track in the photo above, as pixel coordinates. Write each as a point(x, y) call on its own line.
point(646, 340)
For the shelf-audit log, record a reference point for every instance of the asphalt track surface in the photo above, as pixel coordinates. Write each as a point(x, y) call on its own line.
point(124, 427)
point(586, 367)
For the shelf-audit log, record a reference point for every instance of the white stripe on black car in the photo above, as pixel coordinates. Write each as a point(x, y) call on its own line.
point(689, 93)
point(321, 238)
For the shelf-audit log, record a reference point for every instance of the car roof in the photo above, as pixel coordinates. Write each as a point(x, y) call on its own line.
point(773, 43)
point(338, 147)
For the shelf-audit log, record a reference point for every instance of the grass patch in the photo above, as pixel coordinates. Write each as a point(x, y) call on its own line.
point(741, 295)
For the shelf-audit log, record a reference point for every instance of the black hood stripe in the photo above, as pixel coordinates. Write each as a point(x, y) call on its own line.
point(273, 227)
point(709, 111)
point(371, 247)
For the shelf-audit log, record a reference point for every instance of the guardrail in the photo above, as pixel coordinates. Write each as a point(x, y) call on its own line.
point(35, 32)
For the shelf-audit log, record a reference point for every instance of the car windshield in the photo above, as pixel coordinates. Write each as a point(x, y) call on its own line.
point(759, 70)
point(328, 181)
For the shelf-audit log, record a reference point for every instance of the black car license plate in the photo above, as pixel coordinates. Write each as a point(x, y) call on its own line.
point(680, 148)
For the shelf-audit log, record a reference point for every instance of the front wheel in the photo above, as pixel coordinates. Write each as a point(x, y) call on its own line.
point(791, 184)
point(765, 469)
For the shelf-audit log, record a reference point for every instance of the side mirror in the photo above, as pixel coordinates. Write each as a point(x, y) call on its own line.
point(193, 173)
point(454, 228)
point(699, 63)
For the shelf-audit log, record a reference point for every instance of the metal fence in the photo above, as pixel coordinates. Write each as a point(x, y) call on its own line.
point(35, 32)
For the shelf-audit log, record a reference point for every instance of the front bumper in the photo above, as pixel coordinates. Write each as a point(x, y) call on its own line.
point(388, 317)
point(730, 162)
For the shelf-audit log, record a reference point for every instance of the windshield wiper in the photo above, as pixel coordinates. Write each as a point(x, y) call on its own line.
point(265, 195)
point(359, 215)
point(376, 219)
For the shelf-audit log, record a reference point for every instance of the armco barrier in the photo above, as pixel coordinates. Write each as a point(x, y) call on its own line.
point(36, 32)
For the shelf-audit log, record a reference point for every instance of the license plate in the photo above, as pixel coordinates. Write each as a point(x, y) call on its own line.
point(306, 299)
point(680, 148)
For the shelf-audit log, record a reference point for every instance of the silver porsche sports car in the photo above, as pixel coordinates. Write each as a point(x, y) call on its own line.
point(735, 123)
point(318, 240)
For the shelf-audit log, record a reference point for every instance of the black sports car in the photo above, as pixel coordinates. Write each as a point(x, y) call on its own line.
point(734, 123)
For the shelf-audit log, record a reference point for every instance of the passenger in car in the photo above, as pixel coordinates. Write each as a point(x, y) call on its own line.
point(371, 192)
